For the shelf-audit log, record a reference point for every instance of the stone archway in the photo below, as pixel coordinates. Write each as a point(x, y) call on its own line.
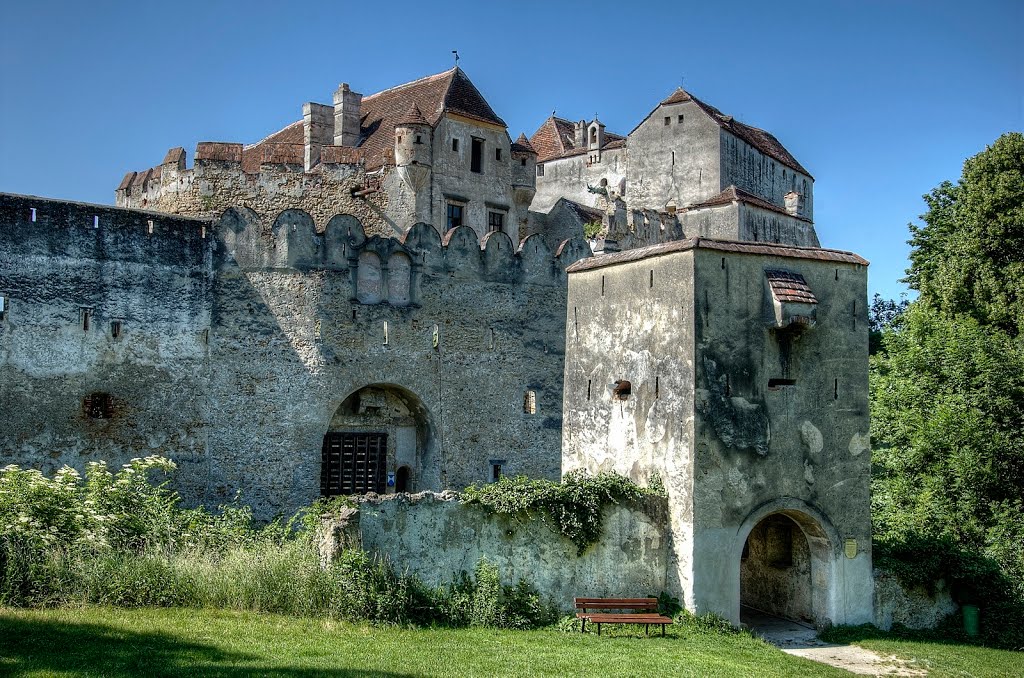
point(375, 431)
point(788, 553)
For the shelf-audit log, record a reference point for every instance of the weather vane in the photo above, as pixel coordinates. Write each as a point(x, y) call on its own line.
point(456, 53)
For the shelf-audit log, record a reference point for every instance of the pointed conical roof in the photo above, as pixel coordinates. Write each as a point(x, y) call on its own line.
point(522, 145)
point(413, 116)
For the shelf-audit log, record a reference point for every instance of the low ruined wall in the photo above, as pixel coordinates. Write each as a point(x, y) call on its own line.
point(435, 536)
point(913, 608)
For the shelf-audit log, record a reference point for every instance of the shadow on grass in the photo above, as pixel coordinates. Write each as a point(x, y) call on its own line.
point(942, 636)
point(92, 649)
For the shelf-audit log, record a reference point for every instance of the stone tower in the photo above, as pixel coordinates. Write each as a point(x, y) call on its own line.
point(413, 159)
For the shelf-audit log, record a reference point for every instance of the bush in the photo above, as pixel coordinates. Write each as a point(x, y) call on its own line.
point(121, 539)
point(574, 506)
point(973, 578)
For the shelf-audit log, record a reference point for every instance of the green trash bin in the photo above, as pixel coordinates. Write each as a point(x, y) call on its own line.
point(971, 619)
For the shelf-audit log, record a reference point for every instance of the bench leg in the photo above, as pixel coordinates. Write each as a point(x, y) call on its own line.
point(662, 630)
point(598, 628)
point(647, 629)
point(583, 627)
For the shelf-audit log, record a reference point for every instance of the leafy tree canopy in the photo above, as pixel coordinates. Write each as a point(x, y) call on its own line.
point(968, 256)
point(947, 385)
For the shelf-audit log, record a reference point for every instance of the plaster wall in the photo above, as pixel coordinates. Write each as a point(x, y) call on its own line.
point(754, 172)
point(480, 192)
point(634, 322)
point(436, 537)
point(804, 447)
point(679, 161)
point(569, 177)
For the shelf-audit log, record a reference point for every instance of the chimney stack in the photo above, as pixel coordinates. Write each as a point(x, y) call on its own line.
point(347, 116)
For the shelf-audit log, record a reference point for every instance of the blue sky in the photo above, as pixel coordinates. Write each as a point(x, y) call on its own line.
point(881, 101)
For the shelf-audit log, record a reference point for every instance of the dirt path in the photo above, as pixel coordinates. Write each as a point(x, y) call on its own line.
point(802, 641)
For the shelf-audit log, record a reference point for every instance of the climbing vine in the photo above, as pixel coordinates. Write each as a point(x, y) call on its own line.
point(574, 506)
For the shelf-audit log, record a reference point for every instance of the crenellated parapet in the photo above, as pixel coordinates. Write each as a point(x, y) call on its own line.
point(388, 269)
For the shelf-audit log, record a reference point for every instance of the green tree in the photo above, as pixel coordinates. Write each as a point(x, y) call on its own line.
point(947, 386)
point(968, 256)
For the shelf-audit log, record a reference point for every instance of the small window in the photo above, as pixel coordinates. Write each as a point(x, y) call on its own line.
point(454, 215)
point(399, 138)
point(775, 384)
point(476, 159)
point(522, 161)
point(3, 307)
point(98, 406)
point(540, 169)
point(115, 329)
point(419, 139)
point(530, 402)
point(455, 145)
point(86, 318)
point(622, 389)
point(668, 120)
point(495, 221)
point(680, 119)
point(496, 465)
point(497, 154)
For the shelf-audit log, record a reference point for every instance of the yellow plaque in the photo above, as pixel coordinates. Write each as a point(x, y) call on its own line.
point(851, 548)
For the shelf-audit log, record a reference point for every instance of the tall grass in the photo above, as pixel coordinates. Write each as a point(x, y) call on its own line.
point(121, 539)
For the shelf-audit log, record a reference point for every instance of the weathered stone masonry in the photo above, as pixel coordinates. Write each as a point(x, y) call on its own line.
point(242, 341)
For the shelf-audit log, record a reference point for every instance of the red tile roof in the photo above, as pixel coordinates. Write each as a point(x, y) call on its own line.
point(434, 95)
point(788, 286)
point(768, 249)
point(522, 145)
point(252, 155)
point(758, 138)
point(733, 194)
point(556, 138)
point(552, 138)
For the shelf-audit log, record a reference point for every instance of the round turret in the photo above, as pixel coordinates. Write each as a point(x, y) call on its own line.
point(413, 139)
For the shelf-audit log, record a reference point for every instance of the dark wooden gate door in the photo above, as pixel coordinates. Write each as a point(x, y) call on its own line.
point(353, 463)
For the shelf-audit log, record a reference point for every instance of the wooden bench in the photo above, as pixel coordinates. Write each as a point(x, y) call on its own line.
point(646, 612)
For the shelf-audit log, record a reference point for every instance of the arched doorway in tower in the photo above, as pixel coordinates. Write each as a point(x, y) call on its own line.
point(775, 570)
point(379, 438)
point(788, 559)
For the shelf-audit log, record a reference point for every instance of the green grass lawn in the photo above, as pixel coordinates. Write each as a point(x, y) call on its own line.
point(938, 657)
point(196, 643)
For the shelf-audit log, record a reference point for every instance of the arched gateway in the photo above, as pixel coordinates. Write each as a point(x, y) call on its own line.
point(788, 554)
point(379, 440)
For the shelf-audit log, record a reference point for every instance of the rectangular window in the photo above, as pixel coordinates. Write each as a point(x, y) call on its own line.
point(495, 221)
point(476, 160)
point(454, 215)
point(530, 402)
point(540, 169)
point(3, 306)
point(668, 120)
point(497, 154)
point(496, 465)
point(455, 145)
point(680, 119)
point(115, 329)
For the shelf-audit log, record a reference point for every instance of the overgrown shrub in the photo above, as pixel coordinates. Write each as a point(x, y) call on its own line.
point(973, 578)
point(121, 539)
point(574, 507)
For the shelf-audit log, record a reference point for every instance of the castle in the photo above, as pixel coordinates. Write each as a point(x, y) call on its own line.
point(392, 295)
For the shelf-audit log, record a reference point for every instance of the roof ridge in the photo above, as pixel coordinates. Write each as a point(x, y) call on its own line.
point(418, 81)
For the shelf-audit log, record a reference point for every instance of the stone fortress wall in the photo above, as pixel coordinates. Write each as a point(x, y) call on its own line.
point(243, 340)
